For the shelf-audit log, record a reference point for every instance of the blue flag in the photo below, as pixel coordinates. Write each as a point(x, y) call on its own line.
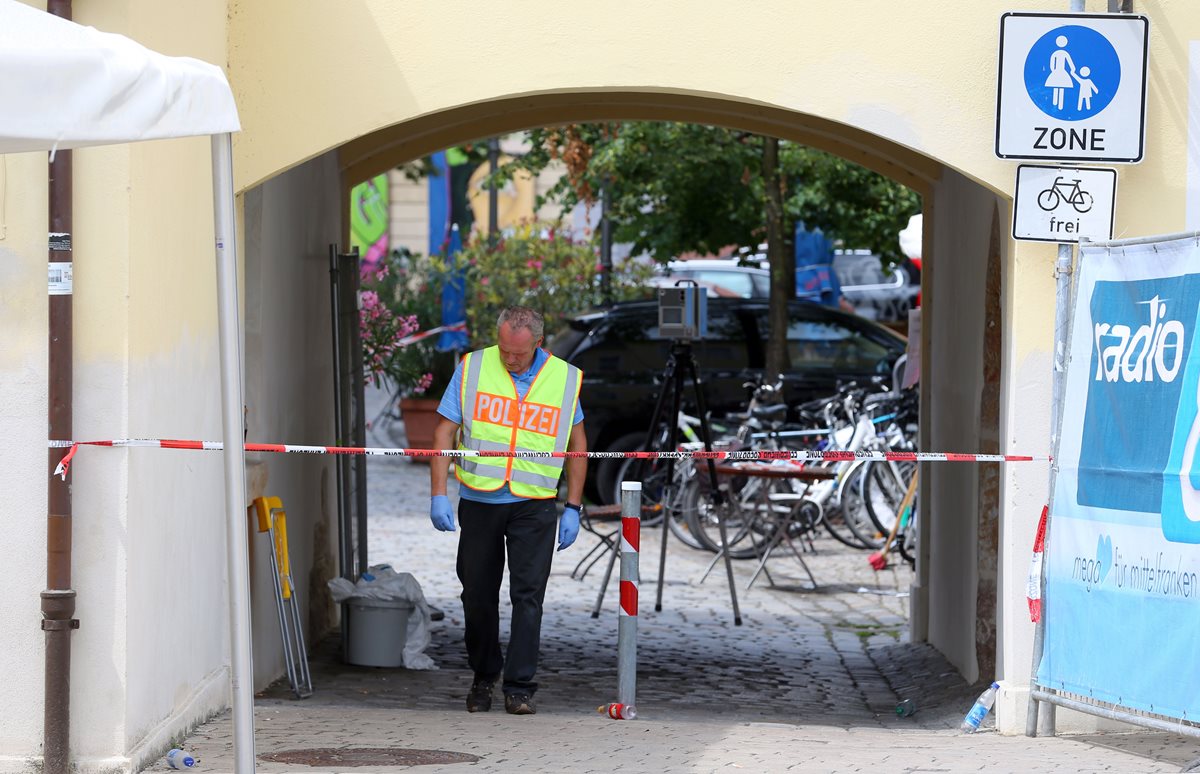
point(815, 280)
point(439, 205)
point(454, 296)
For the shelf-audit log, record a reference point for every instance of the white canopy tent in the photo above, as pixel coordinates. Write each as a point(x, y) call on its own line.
point(63, 85)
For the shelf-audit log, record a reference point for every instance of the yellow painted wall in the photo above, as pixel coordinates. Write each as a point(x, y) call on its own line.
point(146, 359)
point(905, 87)
point(145, 365)
point(917, 77)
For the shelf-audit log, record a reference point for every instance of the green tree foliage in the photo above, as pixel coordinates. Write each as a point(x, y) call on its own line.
point(678, 187)
point(536, 266)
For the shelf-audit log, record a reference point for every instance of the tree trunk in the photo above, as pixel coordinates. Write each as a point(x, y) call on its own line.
point(777, 256)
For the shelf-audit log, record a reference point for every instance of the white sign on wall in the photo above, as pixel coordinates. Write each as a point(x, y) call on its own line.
point(1072, 87)
point(1062, 204)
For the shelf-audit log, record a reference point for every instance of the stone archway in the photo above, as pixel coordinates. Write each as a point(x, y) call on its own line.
point(955, 599)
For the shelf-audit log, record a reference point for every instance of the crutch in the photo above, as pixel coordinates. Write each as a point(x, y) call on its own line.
point(272, 519)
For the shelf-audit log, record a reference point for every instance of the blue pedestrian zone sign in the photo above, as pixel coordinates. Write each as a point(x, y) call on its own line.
point(1072, 87)
point(1072, 73)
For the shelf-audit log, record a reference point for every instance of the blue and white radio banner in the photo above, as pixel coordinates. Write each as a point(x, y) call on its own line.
point(1123, 564)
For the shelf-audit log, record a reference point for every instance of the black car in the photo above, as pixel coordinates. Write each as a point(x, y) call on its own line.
point(623, 358)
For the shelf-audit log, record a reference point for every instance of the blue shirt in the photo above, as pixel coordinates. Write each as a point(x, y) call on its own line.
point(451, 408)
point(819, 284)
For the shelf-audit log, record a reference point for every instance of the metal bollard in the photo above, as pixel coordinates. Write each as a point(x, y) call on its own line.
point(631, 528)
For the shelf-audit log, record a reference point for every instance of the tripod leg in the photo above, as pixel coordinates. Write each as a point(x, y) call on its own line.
point(719, 499)
point(672, 443)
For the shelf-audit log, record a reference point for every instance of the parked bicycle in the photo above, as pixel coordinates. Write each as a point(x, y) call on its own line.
point(758, 504)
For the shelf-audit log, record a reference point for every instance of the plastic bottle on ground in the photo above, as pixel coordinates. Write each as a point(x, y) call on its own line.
point(906, 708)
point(618, 711)
point(178, 759)
point(979, 709)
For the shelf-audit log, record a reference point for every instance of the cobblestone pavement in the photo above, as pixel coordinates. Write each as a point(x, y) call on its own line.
point(809, 682)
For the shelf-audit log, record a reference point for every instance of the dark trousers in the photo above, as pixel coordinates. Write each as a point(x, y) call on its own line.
point(528, 530)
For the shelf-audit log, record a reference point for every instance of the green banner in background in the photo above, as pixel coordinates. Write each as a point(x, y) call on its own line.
point(369, 219)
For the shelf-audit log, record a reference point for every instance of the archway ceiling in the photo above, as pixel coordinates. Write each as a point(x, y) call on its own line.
point(379, 151)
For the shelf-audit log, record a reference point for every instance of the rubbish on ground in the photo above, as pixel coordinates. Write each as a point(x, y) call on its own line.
point(882, 592)
point(906, 708)
point(383, 583)
point(618, 711)
point(979, 709)
point(178, 759)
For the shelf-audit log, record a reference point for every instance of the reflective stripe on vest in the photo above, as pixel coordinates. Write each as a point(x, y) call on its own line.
point(495, 419)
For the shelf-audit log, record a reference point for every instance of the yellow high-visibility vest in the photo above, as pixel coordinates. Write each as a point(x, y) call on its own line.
point(495, 419)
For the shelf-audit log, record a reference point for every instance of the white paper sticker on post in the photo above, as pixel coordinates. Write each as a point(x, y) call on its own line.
point(62, 278)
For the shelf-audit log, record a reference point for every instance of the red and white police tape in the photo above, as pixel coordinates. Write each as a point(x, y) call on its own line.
point(1033, 586)
point(414, 338)
point(804, 455)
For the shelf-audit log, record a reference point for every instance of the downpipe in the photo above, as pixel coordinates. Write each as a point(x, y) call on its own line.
point(58, 600)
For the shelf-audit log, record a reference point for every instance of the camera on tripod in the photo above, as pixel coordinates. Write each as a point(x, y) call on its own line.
point(683, 311)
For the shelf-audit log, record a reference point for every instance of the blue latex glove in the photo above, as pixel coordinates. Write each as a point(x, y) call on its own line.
point(568, 527)
point(441, 514)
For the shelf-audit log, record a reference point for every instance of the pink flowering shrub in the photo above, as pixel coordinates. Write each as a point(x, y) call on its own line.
point(383, 333)
point(399, 299)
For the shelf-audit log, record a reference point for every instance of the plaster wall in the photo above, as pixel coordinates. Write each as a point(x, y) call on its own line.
point(175, 542)
point(954, 315)
point(290, 221)
point(23, 470)
point(149, 533)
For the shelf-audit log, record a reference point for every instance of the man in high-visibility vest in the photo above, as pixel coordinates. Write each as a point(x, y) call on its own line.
point(511, 397)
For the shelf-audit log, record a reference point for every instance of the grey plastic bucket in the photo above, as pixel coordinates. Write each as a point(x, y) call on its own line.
point(377, 632)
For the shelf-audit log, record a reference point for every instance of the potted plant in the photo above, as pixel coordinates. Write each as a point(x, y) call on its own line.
point(401, 298)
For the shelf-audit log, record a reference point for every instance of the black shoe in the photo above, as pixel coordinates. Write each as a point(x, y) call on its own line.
point(479, 698)
point(519, 704)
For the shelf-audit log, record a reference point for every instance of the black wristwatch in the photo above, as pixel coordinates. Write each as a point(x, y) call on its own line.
point(576, 506)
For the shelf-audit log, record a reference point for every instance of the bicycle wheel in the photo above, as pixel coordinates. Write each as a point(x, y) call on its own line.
point(1083, 202)
point(656, 492)
point(839, 530)
point(854, 515)
point(884, 485)
point(742, 527)
point(685, 479)
point(608, 473)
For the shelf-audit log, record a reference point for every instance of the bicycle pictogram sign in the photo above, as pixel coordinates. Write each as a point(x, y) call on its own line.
point(1064, 204)
point(1065, 191)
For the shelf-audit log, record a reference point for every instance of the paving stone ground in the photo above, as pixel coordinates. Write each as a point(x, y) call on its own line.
point(808, 682)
